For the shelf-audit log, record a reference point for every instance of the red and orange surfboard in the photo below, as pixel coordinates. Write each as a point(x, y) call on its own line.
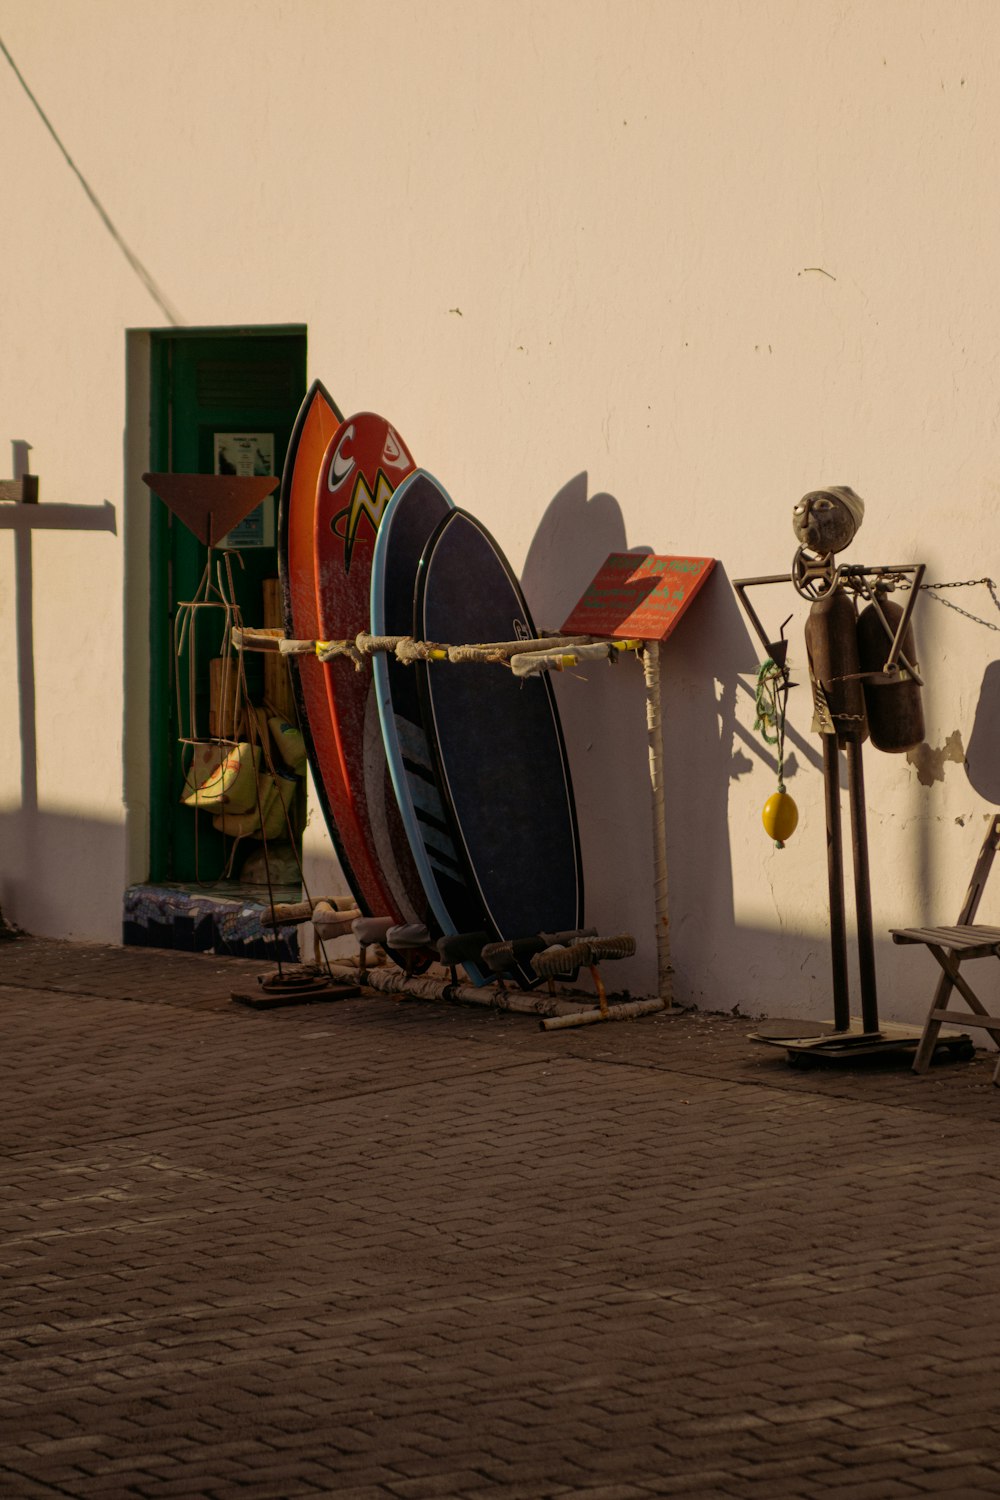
point(316, 423)
point(365, 460)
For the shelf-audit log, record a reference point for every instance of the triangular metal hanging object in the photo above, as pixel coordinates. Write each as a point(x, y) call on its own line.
point(210, 505)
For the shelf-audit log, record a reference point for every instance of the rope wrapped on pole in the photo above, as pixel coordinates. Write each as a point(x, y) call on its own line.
point(503, 651)
point(529, 663)
point(331, 650)
point(408, 650)
point(368, 645)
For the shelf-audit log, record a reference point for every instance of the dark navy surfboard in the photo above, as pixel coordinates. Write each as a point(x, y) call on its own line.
point(496, 743)
point(411, 517)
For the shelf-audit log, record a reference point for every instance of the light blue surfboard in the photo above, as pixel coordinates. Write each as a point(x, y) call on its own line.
point(413, 514)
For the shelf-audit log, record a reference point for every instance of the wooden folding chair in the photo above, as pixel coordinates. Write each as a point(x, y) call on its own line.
point(951, 946)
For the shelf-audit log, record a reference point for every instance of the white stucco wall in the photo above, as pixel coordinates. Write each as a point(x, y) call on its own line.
point(623, 275)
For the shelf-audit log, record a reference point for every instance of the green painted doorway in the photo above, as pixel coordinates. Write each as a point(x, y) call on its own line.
point(218, 397)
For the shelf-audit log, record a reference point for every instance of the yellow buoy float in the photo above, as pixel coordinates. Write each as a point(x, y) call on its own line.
point(780, 817)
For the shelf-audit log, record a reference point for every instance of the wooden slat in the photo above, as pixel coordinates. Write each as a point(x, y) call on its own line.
point(948, 935)
point(967, 1018)
point(963, 951)
point(960, 939)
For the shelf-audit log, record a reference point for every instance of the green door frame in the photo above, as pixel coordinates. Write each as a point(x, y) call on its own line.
point(202, 379)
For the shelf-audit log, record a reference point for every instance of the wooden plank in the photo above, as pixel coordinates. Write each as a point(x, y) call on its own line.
point(968, 1018)
point(966, 951)
point(223, 690)
point(978, 931)
point(971, 942)
point(973, 931)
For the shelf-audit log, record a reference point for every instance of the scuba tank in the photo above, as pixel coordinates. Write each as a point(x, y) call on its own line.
point(892, 699)
point(834, 667)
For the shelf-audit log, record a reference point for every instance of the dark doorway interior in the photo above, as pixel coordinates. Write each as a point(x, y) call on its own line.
point(220, 398)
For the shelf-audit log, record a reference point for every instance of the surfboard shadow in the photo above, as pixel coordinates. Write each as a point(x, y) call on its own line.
point(705, 668)
point(604, 721)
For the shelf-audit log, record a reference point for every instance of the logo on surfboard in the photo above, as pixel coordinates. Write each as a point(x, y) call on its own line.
point(364, 502)
point(366, 445)
point(342, 462)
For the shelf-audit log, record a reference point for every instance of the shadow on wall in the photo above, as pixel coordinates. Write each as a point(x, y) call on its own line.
point(788, 974)
point(708, 669)
point(604, 721)
point(46, 841)
point(22, 520)
point(90, 856)
point(705, 750)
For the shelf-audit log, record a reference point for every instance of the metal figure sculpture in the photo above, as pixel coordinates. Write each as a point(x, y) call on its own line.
point(865, 683)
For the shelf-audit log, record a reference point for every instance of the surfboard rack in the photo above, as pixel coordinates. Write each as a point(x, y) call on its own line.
point(410, 941)
point(634, 602)
point(552, 652)
point(390, 979)
point(407, 649)
point(370, 932)
point(558, 959)
point(505, 956)
point(414, 944)
point(459, 947)
point(285, 914)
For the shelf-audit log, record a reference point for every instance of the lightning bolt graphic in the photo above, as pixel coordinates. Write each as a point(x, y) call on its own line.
point(364, 502)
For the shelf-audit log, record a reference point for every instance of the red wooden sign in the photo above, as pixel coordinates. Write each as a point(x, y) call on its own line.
point(637, 594)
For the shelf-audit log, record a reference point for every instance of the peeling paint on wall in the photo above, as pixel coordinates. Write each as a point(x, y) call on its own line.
point(929, 763)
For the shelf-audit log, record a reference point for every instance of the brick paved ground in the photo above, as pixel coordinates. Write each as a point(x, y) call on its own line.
point(384, 1249)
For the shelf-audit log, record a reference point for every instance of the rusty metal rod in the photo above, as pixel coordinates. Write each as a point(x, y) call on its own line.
point(862, 886)
point(835, 873)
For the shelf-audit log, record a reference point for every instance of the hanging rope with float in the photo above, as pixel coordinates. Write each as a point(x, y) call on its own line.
point(780, 814)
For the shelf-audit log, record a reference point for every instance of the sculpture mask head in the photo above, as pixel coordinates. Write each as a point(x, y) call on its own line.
point(826, 521)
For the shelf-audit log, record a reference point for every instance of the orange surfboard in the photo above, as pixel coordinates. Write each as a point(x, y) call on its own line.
point(316, 423)
point(364, 462)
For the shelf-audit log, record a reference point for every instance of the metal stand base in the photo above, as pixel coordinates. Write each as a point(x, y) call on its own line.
point(807, 1049)
point(303, 988)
